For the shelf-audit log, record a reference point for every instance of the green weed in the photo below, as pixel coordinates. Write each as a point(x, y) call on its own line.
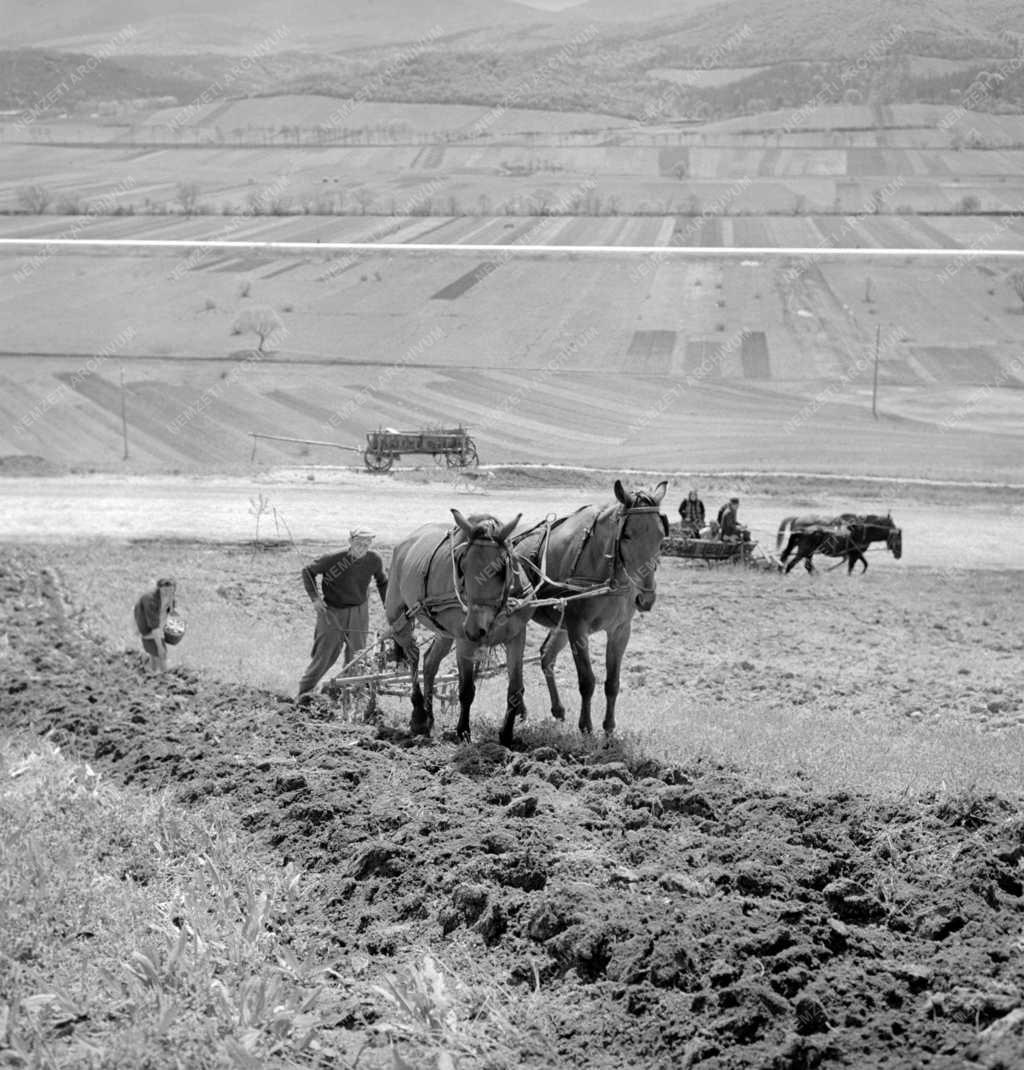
point(135, 932)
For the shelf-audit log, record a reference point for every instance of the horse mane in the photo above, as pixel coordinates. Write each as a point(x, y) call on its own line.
point(868, 519)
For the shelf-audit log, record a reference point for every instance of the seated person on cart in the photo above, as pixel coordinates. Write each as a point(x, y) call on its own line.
point(729, 527)
point(691, 516)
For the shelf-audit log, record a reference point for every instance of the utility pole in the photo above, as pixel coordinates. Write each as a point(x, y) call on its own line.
point(124, 417)
point(874, 388)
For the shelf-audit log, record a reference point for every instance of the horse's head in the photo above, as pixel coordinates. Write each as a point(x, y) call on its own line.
point(642, 526)
point(484, 571)
point(894, 540)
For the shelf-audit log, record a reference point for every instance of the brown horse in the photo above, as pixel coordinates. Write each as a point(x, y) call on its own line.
point(463, 583)
point(599, 564)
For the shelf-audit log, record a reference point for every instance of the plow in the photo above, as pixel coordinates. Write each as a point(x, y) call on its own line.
point(355, 691)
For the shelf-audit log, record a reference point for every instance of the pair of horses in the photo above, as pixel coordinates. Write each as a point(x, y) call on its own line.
point(477, 584)
point(845, 536)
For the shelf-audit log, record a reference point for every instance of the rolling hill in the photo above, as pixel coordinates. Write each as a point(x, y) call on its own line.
point(829, 29)
point(202, 25)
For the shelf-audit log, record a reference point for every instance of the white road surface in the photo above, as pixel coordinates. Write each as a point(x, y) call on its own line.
point(324, 508)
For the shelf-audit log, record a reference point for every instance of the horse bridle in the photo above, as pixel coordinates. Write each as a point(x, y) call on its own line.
point(616, 555)
point(457, 573)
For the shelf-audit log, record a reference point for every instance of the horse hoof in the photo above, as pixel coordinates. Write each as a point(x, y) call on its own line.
point(506, 740)
point(420, 728)
point(559, 714)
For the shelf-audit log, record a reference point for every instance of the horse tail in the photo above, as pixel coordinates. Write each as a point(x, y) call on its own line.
point(783, 531)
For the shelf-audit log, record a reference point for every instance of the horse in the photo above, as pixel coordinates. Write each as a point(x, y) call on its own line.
point(597, 566)
point(845, 536)
point(463, 583)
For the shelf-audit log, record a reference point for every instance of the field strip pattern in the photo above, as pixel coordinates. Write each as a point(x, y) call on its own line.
point(698, 251)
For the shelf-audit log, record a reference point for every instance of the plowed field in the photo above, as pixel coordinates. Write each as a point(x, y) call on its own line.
point(665, 914)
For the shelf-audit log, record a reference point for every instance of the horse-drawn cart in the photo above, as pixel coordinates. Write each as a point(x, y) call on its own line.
point(710, 551)
point(453, 445)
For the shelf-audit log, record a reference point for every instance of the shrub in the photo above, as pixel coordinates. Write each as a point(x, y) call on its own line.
point(34, 199)
point(1016, 282)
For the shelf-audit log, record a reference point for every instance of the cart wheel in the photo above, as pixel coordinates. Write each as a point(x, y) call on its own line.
point(378, 462)
point(464, 458)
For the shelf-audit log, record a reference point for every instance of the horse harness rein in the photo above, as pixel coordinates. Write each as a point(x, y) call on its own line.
point(428, 605)
point(584, 587)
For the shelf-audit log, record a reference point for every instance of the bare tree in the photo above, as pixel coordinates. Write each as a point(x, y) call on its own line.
point(1016, 281)
point(187, 195)
point(363, 197)
point(33, 199)
point(260, 320)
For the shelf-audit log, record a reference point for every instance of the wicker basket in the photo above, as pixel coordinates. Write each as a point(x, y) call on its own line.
point(174, 629)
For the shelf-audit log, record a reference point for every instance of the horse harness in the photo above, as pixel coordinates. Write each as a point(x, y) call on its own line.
point(430, 606)
point(584, 586)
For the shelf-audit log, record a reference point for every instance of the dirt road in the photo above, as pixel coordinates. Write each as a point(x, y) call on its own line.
point(323, 505)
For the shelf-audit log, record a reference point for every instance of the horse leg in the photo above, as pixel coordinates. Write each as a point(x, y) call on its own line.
point(789, 546)
point(615, 648)
point(405, 640)
point(553, 643)
point(467, 686)
point(439, 646)
point(579, 642)
point(514, 705)
point(797, 557)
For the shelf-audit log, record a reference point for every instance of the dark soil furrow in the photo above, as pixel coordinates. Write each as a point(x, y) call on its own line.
point(671, 915)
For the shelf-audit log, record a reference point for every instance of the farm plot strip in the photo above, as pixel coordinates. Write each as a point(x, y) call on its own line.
point(150, 418)
point(650, 352)
point(284, 270)
point(754, 355)
point(974, 365)
point(303, 406)
point(465, 282)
